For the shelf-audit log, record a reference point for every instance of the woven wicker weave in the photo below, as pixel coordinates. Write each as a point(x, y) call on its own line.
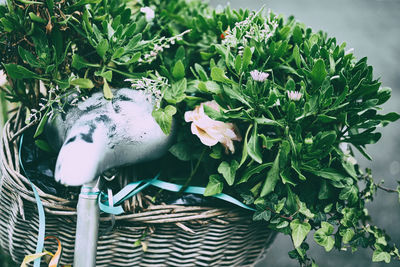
point(170, 235)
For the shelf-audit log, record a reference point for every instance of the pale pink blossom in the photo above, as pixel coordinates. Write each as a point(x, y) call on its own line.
point(259, 76)
point(3, 78)
point(294, 95)
point(211, 131)
point(148, 12)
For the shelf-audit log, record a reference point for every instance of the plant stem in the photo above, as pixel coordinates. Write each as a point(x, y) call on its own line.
point(389, 190)
point(189, 180)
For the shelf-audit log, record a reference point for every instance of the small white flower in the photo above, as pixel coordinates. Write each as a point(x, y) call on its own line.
point(148, 12)
point(259, 76)
point(294, 95)
point(3, 79)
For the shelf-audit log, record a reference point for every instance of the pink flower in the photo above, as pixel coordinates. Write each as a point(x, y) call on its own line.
point(211, 131)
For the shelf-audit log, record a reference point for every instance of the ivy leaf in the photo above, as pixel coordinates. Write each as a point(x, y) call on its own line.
point(262, 215)
point(323, 236)
point(181, 151)
point(164, 118)
point(178, 72)
point(347, 235)
point(228, 171)
point(318, 73)
point(349, 193)
point(300, 231)
point(380, 255)
point(214, 186)
point(272, 178)
point(176, 92)
point(305, 211)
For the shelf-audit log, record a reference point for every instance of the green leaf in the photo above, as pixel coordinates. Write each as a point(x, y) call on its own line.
point(296, 56)
point(262, 215)
point(214, 186)
point(107, 91)
point(291, 202)
point(82, 83)
point(272, 178)
point(107, 75)
point(213, 114)
point(79, 62)
point(29, 57)
point(7, 24)
point(347, 235)
point(118, 53)
point(218, 75)
point(349, 193)
point(254, 148)
point(247, 54)
point(102, 48)
point(179, 70)
point(245, 147)
point(228, 171)
point(42, 124)
point(209, 87)
point(318, 73)
point(300, 231)
point(380, 255)
point(328, 173)
point(43, 145)
point(181, 151)
point(249, 172)
point(164, 118)
point(325, 241)
point(238, 63)
point(297, 35)
point(36, 18)
point(18, 72)
point(305, 211)
point(176, 92)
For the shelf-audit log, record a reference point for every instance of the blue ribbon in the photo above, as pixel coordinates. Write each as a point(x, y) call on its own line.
point(132, 189)
point(42, 218)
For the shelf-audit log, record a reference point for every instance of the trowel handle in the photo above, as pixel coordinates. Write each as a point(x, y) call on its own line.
point(87, 227)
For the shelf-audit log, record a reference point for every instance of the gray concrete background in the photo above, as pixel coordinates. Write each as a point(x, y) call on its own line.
point(372, 28)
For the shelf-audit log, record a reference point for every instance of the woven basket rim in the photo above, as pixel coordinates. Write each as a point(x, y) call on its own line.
point(20, 185)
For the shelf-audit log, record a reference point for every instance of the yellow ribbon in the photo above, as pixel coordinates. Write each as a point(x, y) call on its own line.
point(55, 258)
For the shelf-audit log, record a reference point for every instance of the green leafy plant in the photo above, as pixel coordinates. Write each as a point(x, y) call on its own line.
point(268, 110)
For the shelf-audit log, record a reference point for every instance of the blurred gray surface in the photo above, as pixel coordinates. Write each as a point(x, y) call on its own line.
point(372, 28)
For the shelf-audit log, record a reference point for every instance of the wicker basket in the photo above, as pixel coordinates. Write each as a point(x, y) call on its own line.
point(172, 235)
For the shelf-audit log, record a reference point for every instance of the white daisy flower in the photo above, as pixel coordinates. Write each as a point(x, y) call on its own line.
point(294, 95)
point(259, 76)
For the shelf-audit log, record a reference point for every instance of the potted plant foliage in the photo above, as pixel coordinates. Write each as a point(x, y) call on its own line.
point(267, 111)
